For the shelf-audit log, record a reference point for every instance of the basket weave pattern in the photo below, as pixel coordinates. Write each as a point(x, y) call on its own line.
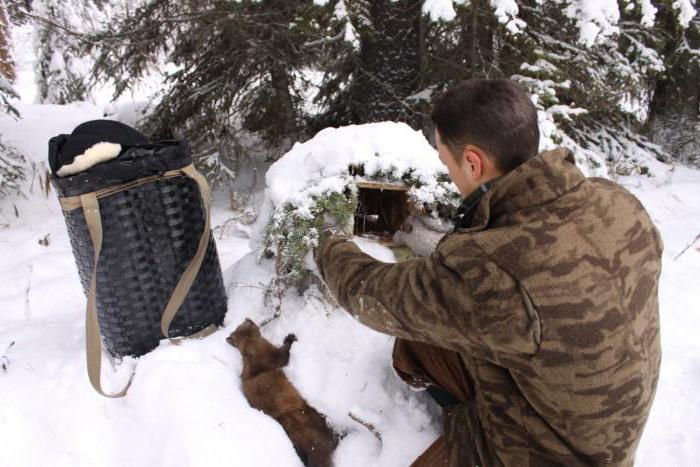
point(151, 232)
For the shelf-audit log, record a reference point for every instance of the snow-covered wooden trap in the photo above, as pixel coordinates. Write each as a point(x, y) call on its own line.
point(378, 179)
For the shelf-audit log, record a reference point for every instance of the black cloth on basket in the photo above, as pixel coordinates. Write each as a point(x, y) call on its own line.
point(138, 157)
point(88, 134)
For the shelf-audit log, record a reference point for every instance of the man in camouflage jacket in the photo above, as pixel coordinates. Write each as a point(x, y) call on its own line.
point(536, 319)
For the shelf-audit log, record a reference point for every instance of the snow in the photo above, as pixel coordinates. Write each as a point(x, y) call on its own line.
point(685, 10)
point(439, 9)
point(672, 433)
point(505, 10)
point(507, 13)
point(32, 137)
point(341, 12)
point(23, 39)
point(375, 250)
point(648, 13)
point(185, 406)
point(595, 18)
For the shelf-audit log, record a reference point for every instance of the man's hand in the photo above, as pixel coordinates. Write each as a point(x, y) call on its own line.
point(335, 226)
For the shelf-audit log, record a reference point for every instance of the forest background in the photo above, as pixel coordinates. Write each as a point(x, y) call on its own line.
point(244, 80)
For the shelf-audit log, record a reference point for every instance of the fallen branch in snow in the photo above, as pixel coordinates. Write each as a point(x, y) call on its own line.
point(220, 361)
point(367, 425)
point(5, 360)
point(697, 237)
point(324, 303)
point(27, 310)
point(328, 298)
point(277, 314)
point(249, 286)
point(45, 182)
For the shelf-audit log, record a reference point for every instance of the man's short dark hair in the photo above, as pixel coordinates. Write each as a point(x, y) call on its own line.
point(495, 115)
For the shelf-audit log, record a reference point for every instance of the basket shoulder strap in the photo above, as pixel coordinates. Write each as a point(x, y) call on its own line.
point(188, 276)
point(93, 336)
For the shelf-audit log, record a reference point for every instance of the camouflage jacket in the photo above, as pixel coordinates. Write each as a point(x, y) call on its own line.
point(551, 300)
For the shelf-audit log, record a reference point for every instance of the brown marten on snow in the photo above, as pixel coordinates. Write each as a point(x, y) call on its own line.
point(267, 388)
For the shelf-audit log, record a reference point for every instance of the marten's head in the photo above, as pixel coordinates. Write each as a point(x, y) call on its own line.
point(246, 332)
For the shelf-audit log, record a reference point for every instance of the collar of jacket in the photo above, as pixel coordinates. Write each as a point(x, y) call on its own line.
point(469, 205)
point(538, 181)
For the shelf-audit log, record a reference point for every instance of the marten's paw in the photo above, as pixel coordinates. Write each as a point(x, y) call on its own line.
point(290, 339)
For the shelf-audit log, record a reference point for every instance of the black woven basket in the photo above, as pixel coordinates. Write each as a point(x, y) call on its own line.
point(151, 232)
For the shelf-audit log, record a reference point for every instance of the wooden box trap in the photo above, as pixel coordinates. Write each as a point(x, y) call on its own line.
point(382, 209)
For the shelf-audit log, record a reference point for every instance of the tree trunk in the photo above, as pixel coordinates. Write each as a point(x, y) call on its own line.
point(674, 113)
point(390, 63)
point(477, 32)
point(7, 68)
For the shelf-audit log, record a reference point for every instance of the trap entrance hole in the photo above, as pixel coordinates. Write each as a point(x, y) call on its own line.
point(382, 209)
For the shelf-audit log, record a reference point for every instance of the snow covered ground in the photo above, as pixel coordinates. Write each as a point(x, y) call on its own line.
point(185, 407)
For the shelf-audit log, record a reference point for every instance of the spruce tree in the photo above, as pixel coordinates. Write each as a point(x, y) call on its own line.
point(7, 67)
point(376, 81)
point(674, 113)
point(237, 76)
point(12, 163)
point(60, 76)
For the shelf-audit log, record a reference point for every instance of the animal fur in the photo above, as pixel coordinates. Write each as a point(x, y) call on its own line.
point(267, 388)
point(93, 155)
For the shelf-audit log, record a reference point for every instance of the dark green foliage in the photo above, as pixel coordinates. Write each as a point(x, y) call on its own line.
point(375, 82)
point(238, 70)
point(246, 75)
point(293, 232)
point(12, 170)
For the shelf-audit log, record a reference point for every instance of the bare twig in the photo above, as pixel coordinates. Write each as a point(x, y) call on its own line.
point(325, 40)
point(367, 425)
point(697, 237)
point(27, 310)
point(41, 19)
point(5, 360)
point(47, 183)
point(277, 314)
point(44, 241)
point(220, 361)
point(259, 286)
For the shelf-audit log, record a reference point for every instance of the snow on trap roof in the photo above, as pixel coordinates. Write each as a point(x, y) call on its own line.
point(321, 164)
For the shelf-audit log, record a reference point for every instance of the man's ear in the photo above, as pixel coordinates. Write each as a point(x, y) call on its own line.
point(473, 158)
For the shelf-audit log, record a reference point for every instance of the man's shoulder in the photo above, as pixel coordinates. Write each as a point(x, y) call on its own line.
point(618, 202)
point(604, 187)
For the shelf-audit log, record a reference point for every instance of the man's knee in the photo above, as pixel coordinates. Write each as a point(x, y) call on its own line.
point(407, 366)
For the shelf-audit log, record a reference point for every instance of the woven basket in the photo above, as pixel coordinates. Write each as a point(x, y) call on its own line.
point(152, 228)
